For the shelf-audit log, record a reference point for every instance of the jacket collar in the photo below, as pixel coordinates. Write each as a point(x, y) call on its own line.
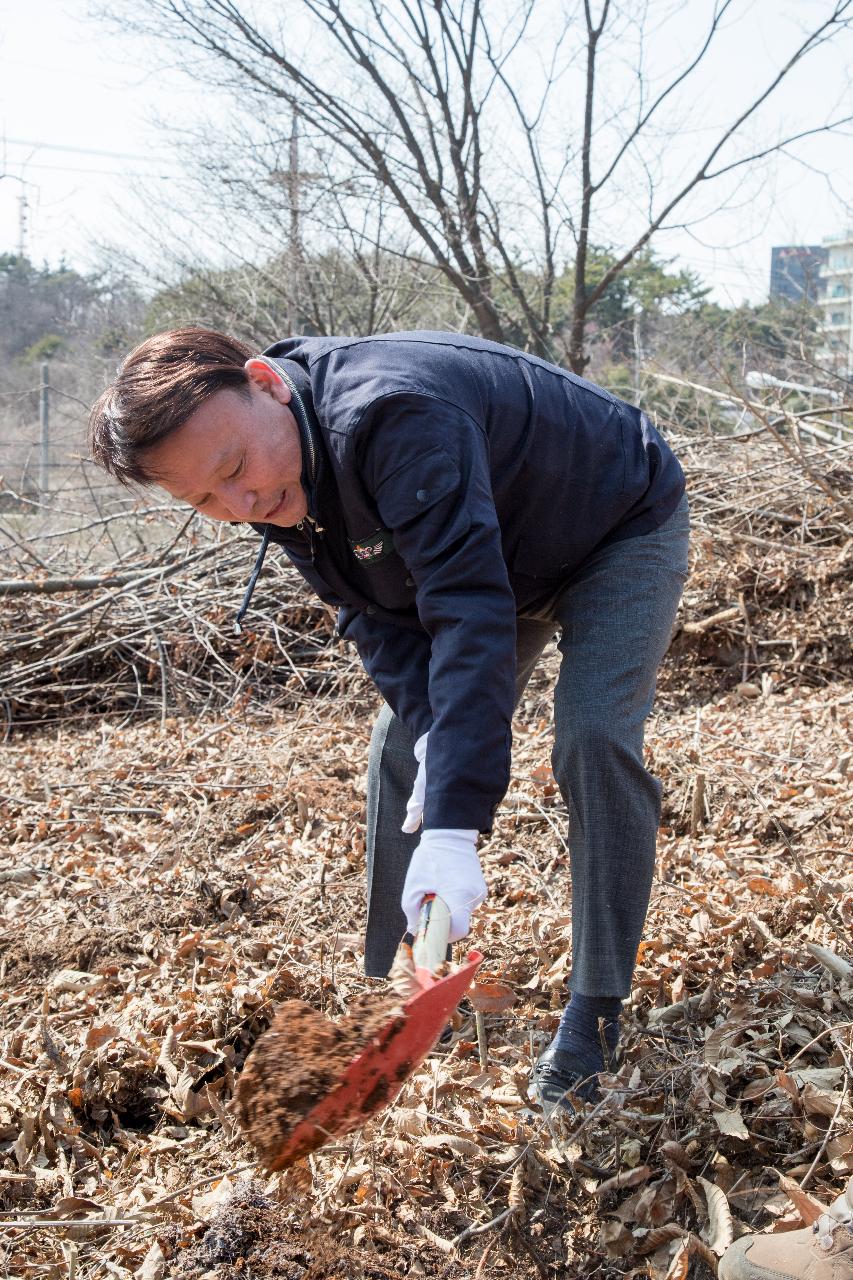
point(302, 406)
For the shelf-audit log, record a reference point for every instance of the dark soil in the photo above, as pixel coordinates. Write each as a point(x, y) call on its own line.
point(253, 1236)
point(29, 953)
point(296, 1063)
point(125, 931)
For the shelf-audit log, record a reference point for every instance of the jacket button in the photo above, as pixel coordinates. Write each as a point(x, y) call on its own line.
point(422, 495)
point(410, 582)
point(371, 609)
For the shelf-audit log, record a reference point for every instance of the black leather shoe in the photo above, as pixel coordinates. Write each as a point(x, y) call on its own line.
point(556, 1077)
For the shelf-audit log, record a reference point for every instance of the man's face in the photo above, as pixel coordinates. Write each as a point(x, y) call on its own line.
point(237, 457)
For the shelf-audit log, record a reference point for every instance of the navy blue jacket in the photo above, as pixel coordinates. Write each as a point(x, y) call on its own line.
point(452, 485)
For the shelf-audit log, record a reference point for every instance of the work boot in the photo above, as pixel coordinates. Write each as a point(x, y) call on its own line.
point(823, 1251)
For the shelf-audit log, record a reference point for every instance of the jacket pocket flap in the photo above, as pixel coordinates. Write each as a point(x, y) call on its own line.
point(416, 487)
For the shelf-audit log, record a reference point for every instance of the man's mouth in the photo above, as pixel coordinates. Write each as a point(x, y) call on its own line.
point(277, 508)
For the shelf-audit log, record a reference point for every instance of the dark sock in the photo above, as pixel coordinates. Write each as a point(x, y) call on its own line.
point(578, 1033)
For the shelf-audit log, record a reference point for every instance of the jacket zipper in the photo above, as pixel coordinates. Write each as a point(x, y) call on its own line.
point(313, 527)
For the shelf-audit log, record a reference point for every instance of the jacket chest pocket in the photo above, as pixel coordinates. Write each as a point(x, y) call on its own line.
point(375, 568)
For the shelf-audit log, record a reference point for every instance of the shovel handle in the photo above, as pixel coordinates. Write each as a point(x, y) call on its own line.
point(429, 949)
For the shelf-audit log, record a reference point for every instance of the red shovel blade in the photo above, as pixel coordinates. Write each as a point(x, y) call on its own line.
point(373, 1079)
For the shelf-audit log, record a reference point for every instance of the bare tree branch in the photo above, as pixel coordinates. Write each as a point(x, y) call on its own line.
point(416, 97)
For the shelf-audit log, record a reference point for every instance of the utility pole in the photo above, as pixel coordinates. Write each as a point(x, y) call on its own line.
point(638, 356)
point(23, 211)
point(293, 180)
point(44, 419)
point(293, 254)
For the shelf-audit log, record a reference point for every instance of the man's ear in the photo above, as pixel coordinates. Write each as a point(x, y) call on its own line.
point(265, 378)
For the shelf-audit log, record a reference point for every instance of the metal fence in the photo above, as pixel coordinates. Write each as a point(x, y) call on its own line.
point(46, 474)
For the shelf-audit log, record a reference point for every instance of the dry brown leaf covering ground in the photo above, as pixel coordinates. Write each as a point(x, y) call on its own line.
point(163, 891)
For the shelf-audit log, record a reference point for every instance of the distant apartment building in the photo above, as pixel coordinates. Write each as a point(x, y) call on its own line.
point(835, 305)
point(795, 272)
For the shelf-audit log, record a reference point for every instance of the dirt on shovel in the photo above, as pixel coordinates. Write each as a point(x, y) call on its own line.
point(297, 1062)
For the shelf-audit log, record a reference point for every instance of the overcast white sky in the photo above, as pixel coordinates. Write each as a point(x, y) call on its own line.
point(69, 95)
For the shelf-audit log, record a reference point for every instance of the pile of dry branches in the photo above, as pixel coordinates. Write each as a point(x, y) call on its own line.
point(768, 597)
point(152, 634)
point(158, 636)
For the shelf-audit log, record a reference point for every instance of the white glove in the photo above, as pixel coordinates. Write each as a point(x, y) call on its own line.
point(445, 863)
point(415, 807)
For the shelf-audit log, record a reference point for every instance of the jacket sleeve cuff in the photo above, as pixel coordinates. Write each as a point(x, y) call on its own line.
point(462, 810)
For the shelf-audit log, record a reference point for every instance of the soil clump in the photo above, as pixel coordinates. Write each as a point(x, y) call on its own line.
point(297, 1062)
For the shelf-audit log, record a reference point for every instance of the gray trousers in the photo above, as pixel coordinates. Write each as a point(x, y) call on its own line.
point(614, 619)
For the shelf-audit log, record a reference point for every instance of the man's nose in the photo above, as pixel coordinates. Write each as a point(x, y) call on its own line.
point(240, 499)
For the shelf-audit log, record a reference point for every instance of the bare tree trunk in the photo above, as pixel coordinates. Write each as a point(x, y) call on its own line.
point(578, 359)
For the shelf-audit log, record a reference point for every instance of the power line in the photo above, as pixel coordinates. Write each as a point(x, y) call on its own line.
point(83, 151)
point(112, 173)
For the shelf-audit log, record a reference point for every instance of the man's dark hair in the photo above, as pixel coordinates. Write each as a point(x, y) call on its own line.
point(157, 388)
